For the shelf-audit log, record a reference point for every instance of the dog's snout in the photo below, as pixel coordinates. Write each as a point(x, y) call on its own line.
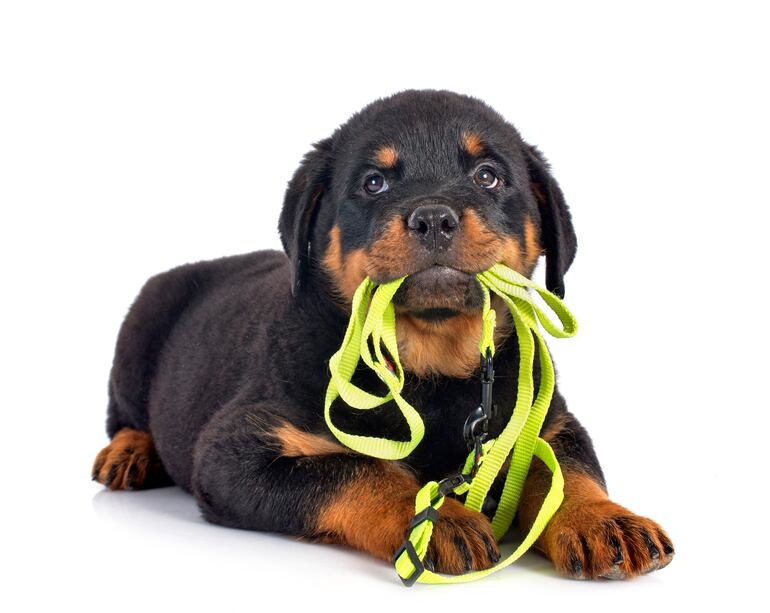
point(434, 223)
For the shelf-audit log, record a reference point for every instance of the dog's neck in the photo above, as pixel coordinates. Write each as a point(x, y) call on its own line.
point(447, 348)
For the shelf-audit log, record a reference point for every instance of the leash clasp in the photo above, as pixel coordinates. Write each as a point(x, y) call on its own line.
point(476, 427)
point(487, 376)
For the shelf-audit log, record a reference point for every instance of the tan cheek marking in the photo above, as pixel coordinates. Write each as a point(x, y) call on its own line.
point(511, 255)
point(347, 271)
point(472, 144)
point(474, 229)
point(532, 244)
point(480, 247)
point(386, 156)
point(391, 251)
point(356, 264)
point(477, 247)
point(296, 443)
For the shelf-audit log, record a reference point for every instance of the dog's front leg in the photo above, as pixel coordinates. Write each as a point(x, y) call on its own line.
point(590, 536)
point(257, 471)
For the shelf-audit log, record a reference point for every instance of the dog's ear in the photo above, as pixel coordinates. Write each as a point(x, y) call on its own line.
point(557, 232)
point(300, 209)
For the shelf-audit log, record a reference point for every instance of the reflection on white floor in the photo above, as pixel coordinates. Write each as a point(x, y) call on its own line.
point(171, 502)
point(170, 510)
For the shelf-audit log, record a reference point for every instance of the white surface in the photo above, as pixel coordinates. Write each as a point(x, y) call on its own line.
point(137, 136)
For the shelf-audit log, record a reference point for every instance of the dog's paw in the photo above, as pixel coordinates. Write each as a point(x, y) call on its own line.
point(462, 541)
point(602, 540)
point(129, 462)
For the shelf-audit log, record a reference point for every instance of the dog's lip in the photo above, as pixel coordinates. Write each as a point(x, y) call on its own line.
point(439, 272)
point(434, 272)
point(437, 286)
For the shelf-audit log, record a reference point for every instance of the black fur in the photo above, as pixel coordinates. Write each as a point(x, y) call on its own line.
point(214, 355)
point(558, 233)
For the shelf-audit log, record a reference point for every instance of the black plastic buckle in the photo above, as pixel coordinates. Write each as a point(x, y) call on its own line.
point(419, 568)
point(447, 485)
point(427, 514)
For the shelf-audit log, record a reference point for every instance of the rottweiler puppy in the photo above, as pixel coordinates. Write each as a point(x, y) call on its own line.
point(221, 367)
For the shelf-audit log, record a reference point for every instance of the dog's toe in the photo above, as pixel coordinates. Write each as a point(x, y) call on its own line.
point(462, 541)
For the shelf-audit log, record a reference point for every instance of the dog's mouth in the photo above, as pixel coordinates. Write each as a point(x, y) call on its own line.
point(439, 292)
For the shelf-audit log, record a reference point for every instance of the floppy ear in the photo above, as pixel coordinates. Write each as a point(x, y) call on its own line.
point(557, 233)
point(300, 209)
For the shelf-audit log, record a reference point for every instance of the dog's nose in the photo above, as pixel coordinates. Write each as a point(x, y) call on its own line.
point(435, 224)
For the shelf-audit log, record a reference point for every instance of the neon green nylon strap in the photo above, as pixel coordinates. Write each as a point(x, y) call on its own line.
point(372, 318)
point(372, 325)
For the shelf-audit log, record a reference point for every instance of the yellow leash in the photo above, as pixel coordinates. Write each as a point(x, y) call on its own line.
point(373, 326)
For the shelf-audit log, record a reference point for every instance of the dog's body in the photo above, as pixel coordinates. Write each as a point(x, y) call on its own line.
point(221, 367)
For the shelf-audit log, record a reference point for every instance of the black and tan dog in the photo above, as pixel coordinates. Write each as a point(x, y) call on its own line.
point(221, 367)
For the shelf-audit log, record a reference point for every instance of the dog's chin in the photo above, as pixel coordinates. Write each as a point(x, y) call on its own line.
point(438, 293)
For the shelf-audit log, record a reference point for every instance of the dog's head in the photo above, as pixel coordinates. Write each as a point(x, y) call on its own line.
point(429, 184)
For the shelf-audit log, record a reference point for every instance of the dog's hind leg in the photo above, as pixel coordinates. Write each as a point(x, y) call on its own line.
point(130, 462)
point(142, 336)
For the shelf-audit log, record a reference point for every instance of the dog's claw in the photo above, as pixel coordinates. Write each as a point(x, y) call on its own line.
point(668, 548)
point(619, 558)
point(651, 547)
point(576, 566)
point(494, 556)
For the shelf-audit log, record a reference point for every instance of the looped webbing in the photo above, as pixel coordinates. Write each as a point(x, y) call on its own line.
point(372, 326)
point(372, 321)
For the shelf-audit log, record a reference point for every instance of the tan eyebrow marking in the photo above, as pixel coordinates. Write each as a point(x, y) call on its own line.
point(386, 156)
point(472, 144)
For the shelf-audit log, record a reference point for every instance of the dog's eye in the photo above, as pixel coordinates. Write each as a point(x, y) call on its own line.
point(486, 178)
point(375, 184)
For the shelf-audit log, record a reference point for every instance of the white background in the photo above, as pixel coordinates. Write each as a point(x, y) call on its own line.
point(135, 136)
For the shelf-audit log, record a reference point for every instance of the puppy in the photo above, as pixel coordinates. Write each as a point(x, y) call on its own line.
point(221, 367)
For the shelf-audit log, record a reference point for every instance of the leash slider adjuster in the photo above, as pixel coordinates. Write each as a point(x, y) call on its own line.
point(448, 484)
point(419, 567)
point(427, 514)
